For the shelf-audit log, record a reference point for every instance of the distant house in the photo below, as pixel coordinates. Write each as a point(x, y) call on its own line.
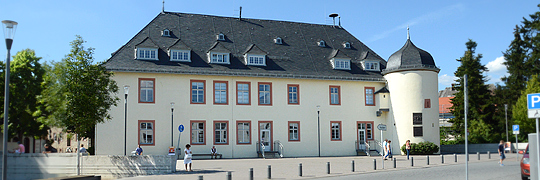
point(243, 84)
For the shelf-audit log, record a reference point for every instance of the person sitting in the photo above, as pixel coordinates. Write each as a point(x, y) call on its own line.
point(19, 149)
point(213, 152)
point(49, 149)
point(82, 150)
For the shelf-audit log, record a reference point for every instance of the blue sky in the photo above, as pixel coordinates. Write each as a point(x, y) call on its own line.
point(439, 27)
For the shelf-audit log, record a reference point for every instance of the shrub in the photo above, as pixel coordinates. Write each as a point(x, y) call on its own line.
point(422, 148)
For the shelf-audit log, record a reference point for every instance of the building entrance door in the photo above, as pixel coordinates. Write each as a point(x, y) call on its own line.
point(361, 136)
point(266, 136)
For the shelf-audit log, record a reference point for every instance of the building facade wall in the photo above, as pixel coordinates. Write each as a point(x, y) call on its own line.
point(409, 91)
point(176, 88)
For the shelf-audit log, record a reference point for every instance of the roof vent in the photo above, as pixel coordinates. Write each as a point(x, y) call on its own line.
point(322, 43)
point(347, 45)
point(166, 33)
point(278, 40)
point(221, 37)
point(333, 16)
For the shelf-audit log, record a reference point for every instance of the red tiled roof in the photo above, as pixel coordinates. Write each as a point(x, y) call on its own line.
point(445, 104)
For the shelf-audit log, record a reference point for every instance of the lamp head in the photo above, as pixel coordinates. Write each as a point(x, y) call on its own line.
point(172, 105)
point(126, 89)
point(9, 28)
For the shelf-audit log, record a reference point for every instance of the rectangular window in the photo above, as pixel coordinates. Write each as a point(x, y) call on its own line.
point(243, 90)
point(265, 93)
point(197, 91)
point(221, 89)
point(427, 103)
point(197, 133)
point(220, 133)
point(342, 64)
point(417, 131)
point(146, 90)
point(146, 132)
point(417, 118)
point(256, 60)
point(367, 127)
point(147, 53)
point(294, 94)
point(219, 58)
point(370, 98)
point(294, 130)
point(243, 134)
point(334, 95)
point(335, 129)
point(373, 66)
point(180, 55)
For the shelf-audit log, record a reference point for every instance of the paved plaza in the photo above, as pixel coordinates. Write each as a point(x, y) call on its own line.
point(312, 167)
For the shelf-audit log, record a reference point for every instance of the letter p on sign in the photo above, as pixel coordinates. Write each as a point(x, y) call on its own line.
point(533, 105)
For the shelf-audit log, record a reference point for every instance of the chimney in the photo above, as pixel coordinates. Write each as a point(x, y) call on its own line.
point(240, 13)
point(339, 21)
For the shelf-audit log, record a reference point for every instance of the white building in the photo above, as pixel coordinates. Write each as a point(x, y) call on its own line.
point(301, 89)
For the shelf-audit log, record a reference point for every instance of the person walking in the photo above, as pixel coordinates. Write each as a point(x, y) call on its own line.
point(408, 148)
point(82, 149)
point(385, 149)
point(501, 152)
point(187, 157)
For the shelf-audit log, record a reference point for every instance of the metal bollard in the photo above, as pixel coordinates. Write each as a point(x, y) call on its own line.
point(250, 173)
point(394, 162)
point(200, 178)
point(327, 167)
point(478, 154)
point(300, 169)
point(412, 161)
point(489, 155)
point(427, 160)
point(442, 159)
point(374, 164)
point(269, 172)
point(455, 158)
point(352, 165)
point(229, 176)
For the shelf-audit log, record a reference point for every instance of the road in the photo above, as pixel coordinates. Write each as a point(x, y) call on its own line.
point(477, 170)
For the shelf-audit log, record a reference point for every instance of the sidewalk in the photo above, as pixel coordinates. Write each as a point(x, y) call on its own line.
point(312, 167)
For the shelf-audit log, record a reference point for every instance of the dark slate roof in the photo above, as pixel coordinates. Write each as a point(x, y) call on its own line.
point(298, 57)
point(254, 49)
point(382, 90)
point(410, 57)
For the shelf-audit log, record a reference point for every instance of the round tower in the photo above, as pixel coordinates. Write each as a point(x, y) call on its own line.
point(412, 80)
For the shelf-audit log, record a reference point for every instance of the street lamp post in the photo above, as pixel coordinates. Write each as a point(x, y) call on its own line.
point(319, 129)
point(506, 117)
point(9, 33)
point(126, 91)
point(172, 118)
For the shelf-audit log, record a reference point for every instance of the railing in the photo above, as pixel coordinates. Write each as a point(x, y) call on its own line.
point(261, 148)
point(278, 147)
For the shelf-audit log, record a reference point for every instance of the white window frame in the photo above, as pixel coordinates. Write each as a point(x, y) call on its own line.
point(147, 131)
point(322, 43)
point(244, 131)
point(294, 131)
point(372, 66)
point(225, 58)
point(255, 60)
point(198, 131)
point(166, 33)
point(180, 55)
point(221, 37)
point(335, 134)
point(220, 133)
point(344, 64)
point(347, 45)
point(198, 88)
point(220, 92)
point(278, 40)
point(145, 55)
point(243, 94)
point(146, 90)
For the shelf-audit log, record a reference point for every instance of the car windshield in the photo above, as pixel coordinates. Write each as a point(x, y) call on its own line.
point(527, 150)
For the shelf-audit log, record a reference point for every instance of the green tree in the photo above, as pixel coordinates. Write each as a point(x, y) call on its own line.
point(26, 76)
point(520, 116)
point(480, 111)
point(79, 92)
point(530, 32)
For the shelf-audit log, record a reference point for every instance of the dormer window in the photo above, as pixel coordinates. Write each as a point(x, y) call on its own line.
point(180, 55)
point(166, 33)
point(146, 53)
point(344, 64)
point(347, 45)
point(219, 58)
point(371, 66)
point(322, 43)
point(278, 40)
point(221, 37)
point(256, 60)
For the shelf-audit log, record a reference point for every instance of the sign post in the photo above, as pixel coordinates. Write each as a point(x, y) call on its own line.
point(515, 128)
point(533, 106)
point(382, 127)
point(181, 129)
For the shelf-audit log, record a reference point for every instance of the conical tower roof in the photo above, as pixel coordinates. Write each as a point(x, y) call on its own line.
point(410, 57)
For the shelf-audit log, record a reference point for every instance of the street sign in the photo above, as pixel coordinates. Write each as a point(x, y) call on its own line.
point(381, 127)
point(181, 128)
point(533, 105)
point(515, 128)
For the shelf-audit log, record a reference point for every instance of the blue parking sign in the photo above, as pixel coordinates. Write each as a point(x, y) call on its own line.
point(181, 128)
point(533, 105)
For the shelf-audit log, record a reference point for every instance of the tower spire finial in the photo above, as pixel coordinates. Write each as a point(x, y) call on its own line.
point(163, 7)
point(408, 36)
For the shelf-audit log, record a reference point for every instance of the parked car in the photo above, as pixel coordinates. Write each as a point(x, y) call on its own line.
point(525, 166)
